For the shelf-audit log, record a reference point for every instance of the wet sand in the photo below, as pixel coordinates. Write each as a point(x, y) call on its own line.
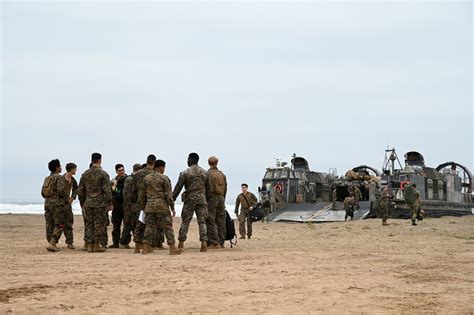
point(287, 267)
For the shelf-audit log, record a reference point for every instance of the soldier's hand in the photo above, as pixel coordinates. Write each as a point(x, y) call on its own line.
point(251, 208)
point(174, 212)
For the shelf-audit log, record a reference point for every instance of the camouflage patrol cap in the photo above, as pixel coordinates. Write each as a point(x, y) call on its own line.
point(137, 167)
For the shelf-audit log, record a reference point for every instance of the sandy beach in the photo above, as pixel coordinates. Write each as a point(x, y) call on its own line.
point(287, 267)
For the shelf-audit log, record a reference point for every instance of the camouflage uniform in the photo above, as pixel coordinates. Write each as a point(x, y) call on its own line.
point(71, 191)
point(334, 199)
point(117, 212)
point(139, 181)
point(415, 207)
point(130, 209)
point(55, 207)
point(158, 201)
point(349, 207)
point(95, 195)
point(247, 201)
point(357, 197)
point(195, 181)
point(385, 204)
point(215, 222)
point(266, 207)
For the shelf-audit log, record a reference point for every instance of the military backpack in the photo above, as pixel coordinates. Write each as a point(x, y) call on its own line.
point(230, 230)
point(218, 184)
point(48, 186)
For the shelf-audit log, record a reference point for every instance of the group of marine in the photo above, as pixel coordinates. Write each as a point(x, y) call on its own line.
point(386, 202)
point(144, 202)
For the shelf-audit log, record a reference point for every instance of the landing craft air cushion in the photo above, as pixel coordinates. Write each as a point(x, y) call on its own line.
point(301, 195)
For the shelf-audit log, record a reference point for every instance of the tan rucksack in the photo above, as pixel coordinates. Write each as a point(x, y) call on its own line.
point(218, 183)
point(48, 187)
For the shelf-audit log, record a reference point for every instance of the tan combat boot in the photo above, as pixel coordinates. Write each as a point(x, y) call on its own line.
point(204, 246)
point(174, 250)
point(98, 248)
point(138, 247)
point(70, 246)
point(146, 248)
point(85, 247)
point(214, 246)
point(384, 223)
point(181, 245)
point(90, 247)
point(52, 246)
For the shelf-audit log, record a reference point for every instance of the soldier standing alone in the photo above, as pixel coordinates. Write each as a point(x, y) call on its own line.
point(385, 204)
point(130, 207)
point(247, 201)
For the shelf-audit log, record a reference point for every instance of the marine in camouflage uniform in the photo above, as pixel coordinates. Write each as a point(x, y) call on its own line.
point(195, 181)
point(54, 208)
point(385, 204)
point(95, 196)
point(71, 192)
point(266, 207)
point(216, 219)
point(131, 210)
point(139, 181)
point(415, 207)
point(334, 199)
point(357, 197)
point(158, 201)
point(349, 207)
point(246, 201)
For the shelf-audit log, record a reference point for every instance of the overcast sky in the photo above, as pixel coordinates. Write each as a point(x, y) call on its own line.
point(335, 83)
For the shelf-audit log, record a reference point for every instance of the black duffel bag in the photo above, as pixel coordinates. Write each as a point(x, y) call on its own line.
point(256, 214)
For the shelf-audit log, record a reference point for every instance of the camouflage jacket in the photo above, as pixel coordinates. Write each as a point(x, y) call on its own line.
point(71, 188)
point(196, 182)
point(157, 196)
point(94, 188)
point(139, 181)
point(247, 201)
point(129, 191)
point(60, 195)
point(386, 197)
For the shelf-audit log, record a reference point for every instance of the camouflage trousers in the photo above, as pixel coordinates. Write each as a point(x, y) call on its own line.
point(104, 240)
point(48, 217)
point(215, 222)
point(68, 223)
point(384, 210)
point(96, 220)
point(54, 217)
point(266, 215)
point(245, 216)
point(164, 221)
point(415, 211)
point(189, 208)
point(334, 205)
point(158, 236)
point(139, 231)
point(129, 223)
point(54, 222)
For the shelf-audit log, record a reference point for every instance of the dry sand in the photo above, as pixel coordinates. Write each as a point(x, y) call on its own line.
point(288, 267)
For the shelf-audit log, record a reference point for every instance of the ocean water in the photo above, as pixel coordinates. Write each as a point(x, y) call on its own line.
point(38, 208)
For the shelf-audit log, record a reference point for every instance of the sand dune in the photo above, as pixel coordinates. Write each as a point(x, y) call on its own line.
point(337, 267)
